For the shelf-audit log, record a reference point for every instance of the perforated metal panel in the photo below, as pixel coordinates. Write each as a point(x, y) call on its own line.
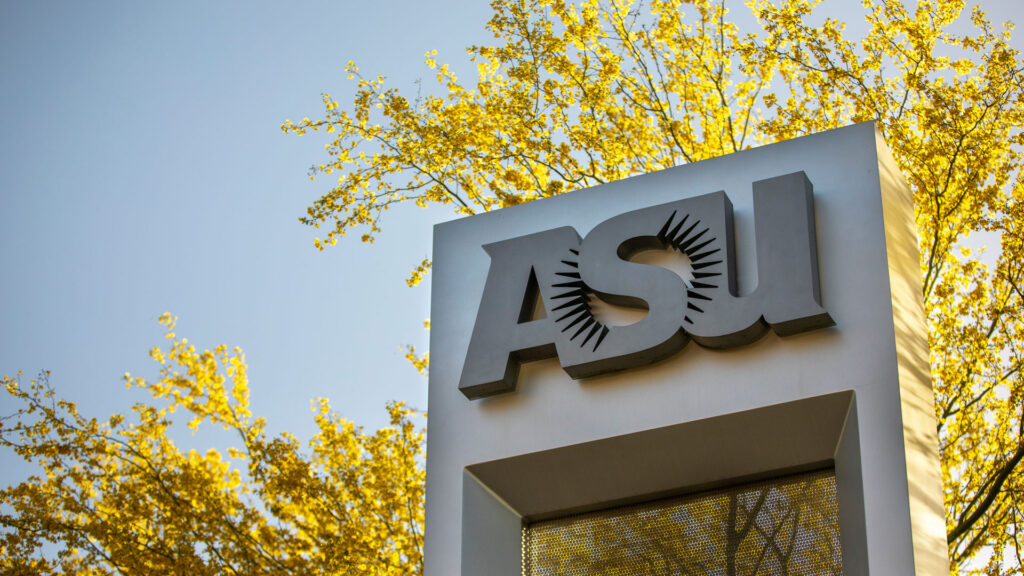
point(782, 526)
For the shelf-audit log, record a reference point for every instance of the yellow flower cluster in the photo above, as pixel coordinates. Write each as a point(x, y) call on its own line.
point(577, 94)
point(120, 497)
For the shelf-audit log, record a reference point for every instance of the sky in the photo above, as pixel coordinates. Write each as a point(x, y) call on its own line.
point(143, 170)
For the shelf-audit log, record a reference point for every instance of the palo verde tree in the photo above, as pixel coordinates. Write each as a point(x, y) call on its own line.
point(574, 95)
point(568, 96)
point(119, 497)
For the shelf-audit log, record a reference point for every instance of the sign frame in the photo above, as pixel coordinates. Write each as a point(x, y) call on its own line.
point(856, 396)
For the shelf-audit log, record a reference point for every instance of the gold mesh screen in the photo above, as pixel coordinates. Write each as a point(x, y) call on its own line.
point(782, 526)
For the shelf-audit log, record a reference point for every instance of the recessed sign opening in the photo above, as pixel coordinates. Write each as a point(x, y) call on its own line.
point(781, 526)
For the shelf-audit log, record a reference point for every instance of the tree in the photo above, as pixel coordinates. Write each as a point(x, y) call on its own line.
point(118, 497)
point(574, 95)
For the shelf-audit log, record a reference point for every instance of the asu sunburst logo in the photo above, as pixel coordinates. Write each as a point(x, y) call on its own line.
point(568, 275)
point(684, 235)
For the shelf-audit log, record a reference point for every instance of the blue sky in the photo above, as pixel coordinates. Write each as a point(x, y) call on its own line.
point(144, 170)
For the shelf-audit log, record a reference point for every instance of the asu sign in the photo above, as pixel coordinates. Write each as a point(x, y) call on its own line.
point(616, 280)
point(565, 272)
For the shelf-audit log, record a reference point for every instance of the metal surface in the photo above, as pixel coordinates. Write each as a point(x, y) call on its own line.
point(574, 436)
point(782, 526)
point(565, 272)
